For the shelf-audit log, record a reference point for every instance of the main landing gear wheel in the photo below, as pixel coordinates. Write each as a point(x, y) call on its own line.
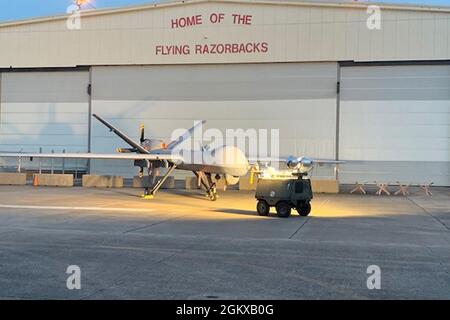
point(283, 209)
point(212, 196)
point(304, 209)
point(262, 208)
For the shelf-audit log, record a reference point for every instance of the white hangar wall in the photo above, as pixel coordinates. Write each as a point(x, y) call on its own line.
point(395, 123)
point(297, 99)
point(47, 111)
point(393, 120)
point(292, 31)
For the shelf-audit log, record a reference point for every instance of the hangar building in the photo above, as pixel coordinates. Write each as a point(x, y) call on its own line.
point(335, 85)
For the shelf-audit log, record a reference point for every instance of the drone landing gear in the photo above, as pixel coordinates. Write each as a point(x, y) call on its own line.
point(150, 194)
point(209, 185)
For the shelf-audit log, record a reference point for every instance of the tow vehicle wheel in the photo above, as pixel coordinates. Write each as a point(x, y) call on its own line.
point(283, 209)
point(262, 208)
point(304, 209)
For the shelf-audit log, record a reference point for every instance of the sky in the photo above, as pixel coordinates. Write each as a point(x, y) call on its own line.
point(24, 9)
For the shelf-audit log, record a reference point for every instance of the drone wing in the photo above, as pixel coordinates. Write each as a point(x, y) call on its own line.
point(122, 135)
point(94, 156)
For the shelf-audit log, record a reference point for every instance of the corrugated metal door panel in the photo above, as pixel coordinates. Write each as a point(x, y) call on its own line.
point(44, 109)
point(395, 120)
point(299, 99)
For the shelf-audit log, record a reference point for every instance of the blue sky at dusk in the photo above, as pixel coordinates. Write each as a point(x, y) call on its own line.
point(22, 9)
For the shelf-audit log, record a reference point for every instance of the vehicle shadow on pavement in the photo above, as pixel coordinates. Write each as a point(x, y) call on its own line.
point(238, 211)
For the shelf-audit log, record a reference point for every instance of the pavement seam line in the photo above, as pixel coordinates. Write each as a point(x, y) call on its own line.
point(301, 226)
point(152, 224)
point(296, 231)
point(116, 283)
point(429, 213)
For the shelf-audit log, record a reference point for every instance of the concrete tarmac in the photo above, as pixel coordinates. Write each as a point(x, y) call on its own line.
point(182, 246)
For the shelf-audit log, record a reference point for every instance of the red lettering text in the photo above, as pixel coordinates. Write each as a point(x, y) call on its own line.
point(242, 19)
point(216, 17)
point(184, 22)
point(172, 50)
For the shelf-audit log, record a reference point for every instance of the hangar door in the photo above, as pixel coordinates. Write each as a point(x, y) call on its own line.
point(297, 99)
point(395, 121)
point(48, 110)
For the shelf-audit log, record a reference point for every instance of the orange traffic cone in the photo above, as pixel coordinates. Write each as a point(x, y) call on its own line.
point(35, 180)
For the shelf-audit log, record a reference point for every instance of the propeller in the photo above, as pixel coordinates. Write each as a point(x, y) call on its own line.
point(142, 130)
point(126, 150)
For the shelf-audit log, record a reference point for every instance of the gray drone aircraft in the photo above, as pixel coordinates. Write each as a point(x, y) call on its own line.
point(227, 162)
